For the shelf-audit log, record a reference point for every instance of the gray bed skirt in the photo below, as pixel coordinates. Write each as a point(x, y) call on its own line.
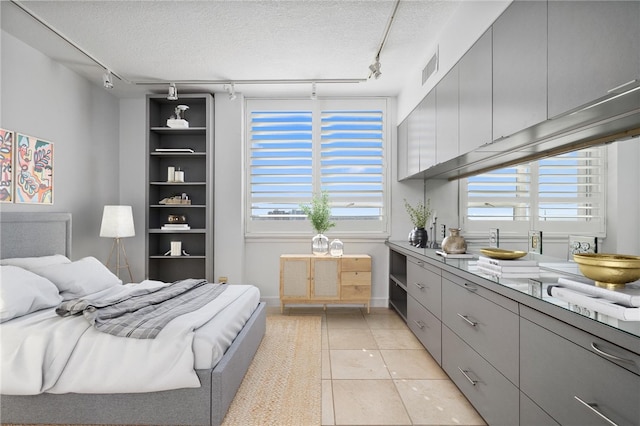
point(206, 405)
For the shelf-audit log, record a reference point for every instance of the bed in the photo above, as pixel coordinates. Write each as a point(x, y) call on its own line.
point(46, 234)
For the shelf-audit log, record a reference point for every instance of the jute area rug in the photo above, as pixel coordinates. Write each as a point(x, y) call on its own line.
point(283, 385)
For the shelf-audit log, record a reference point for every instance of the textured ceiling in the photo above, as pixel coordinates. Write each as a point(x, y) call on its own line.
point(237, 40)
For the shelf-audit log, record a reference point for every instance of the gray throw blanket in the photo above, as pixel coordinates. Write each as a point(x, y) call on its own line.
point(143, 316)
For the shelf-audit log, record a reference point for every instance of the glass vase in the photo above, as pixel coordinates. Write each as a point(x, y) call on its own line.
point(320, 245)
point(336, 248)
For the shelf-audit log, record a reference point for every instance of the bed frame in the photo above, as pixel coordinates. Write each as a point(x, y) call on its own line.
point(40, 234)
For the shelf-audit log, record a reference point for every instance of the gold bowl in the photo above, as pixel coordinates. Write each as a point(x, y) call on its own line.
point(496, 253)
point(609, 270)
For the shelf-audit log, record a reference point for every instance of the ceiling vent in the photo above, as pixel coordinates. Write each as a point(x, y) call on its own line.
point(432, 67)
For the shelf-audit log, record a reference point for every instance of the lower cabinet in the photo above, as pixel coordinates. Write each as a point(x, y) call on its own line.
point(426, 327)
point(573, 384)
point(310, 279)
point(532, 415)
point(491, 394)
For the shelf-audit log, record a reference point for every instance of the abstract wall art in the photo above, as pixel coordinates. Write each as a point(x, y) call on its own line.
point(33, 170)
point(6, 166)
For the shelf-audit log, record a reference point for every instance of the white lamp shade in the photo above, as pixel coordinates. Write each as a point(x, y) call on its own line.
point(117, 222)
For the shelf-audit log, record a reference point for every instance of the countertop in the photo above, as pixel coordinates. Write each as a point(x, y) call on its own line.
point(533, 293)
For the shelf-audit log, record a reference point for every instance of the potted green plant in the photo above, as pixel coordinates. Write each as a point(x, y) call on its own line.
point(419, 215)
point(319, 213)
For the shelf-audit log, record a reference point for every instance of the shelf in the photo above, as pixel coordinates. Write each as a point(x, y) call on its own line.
point(184, 131)
point(178, 154)
point(160, 256)
point(177, 231)
point(177, 183)
point(401, 280)
point(188, 206)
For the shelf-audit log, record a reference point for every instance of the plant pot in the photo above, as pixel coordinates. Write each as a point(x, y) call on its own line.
point(419, 237)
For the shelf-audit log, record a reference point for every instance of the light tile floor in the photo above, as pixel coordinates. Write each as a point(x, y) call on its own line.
point(376, 372)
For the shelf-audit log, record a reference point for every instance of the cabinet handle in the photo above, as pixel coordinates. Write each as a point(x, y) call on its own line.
point(420, 286)
point(470, 287)
point(420, 324)
point(593, 408)
point(595, 347)
point(467, 320)
point(466, 376)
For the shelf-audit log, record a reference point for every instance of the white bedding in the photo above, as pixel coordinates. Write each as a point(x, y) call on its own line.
point(42, 352)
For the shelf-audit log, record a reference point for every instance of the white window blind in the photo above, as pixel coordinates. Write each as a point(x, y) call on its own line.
point(299, 148)
point(562, 195)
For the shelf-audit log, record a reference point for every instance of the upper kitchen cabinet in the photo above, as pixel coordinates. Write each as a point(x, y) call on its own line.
point(402, 149)
point(475, 95)
point(594, 47)
point(427, 110)
point(413, 142)
point(519, 68)
point(447, 117)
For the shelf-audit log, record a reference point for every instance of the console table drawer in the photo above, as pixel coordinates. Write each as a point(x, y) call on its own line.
point(356, 263)
point(356, 292)
point(424, 283)
point(426, 327)
point(488, 328)
point(573, 384)
point(355, 278)
point(492, 395)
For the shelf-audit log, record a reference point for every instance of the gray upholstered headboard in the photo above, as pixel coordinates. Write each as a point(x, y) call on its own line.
point(34, 234)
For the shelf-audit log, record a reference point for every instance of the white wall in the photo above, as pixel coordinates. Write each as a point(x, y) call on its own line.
point(43, 98)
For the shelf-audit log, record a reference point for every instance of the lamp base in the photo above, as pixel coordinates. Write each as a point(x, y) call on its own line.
point(120, 252)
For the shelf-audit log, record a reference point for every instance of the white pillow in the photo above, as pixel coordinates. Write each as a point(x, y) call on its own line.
point(29, 263)
point(79, 278)
point(23, 292)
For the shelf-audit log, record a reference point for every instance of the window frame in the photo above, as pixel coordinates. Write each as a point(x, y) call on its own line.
point(478, 229)
point(302, 228)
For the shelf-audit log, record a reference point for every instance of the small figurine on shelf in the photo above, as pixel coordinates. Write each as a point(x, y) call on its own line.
point(177, 121)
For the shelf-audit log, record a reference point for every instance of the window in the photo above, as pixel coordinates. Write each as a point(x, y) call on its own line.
point(561, 195)
point(296, 149)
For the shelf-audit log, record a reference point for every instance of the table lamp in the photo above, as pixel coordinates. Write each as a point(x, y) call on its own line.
point(117, 223)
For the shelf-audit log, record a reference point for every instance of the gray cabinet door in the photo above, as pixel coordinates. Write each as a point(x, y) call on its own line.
point(402, 149)
point(413, 142)
point(594, 46)
point(572, 384)
point(490, 393)
point(519, 68)
point(424, 283)
point(475, 95)
point(488, 328)
point(447, 117)
point(532, 415)
point(427, 114)
point(426, 327)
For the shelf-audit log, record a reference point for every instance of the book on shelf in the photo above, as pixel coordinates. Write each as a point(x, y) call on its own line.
point(501, 274)
point(175, 226)
point(598, 304)
point(509, 268)
point(507, 262)
point(455, 255)
point(628, 295)
point(174, 150)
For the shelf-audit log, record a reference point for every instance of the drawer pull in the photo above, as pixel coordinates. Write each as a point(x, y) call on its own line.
point(467, 320)
point(466, 376)
point(420, 286)
point(470, 287)
point(592, 407)
point(420, 324)
point(604, 354)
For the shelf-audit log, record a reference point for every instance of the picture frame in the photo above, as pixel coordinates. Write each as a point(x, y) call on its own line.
point(6, 165)
point(33, 170)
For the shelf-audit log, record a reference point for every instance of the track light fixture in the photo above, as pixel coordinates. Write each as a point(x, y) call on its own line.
point(173, 92)
point(107, 81)
point(231, 88)
point(314, 94)
point(375, 69)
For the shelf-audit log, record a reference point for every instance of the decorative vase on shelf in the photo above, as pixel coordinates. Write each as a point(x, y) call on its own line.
point(419, 237)
point(336, 248)
point(320, 245)
point(454, 243)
